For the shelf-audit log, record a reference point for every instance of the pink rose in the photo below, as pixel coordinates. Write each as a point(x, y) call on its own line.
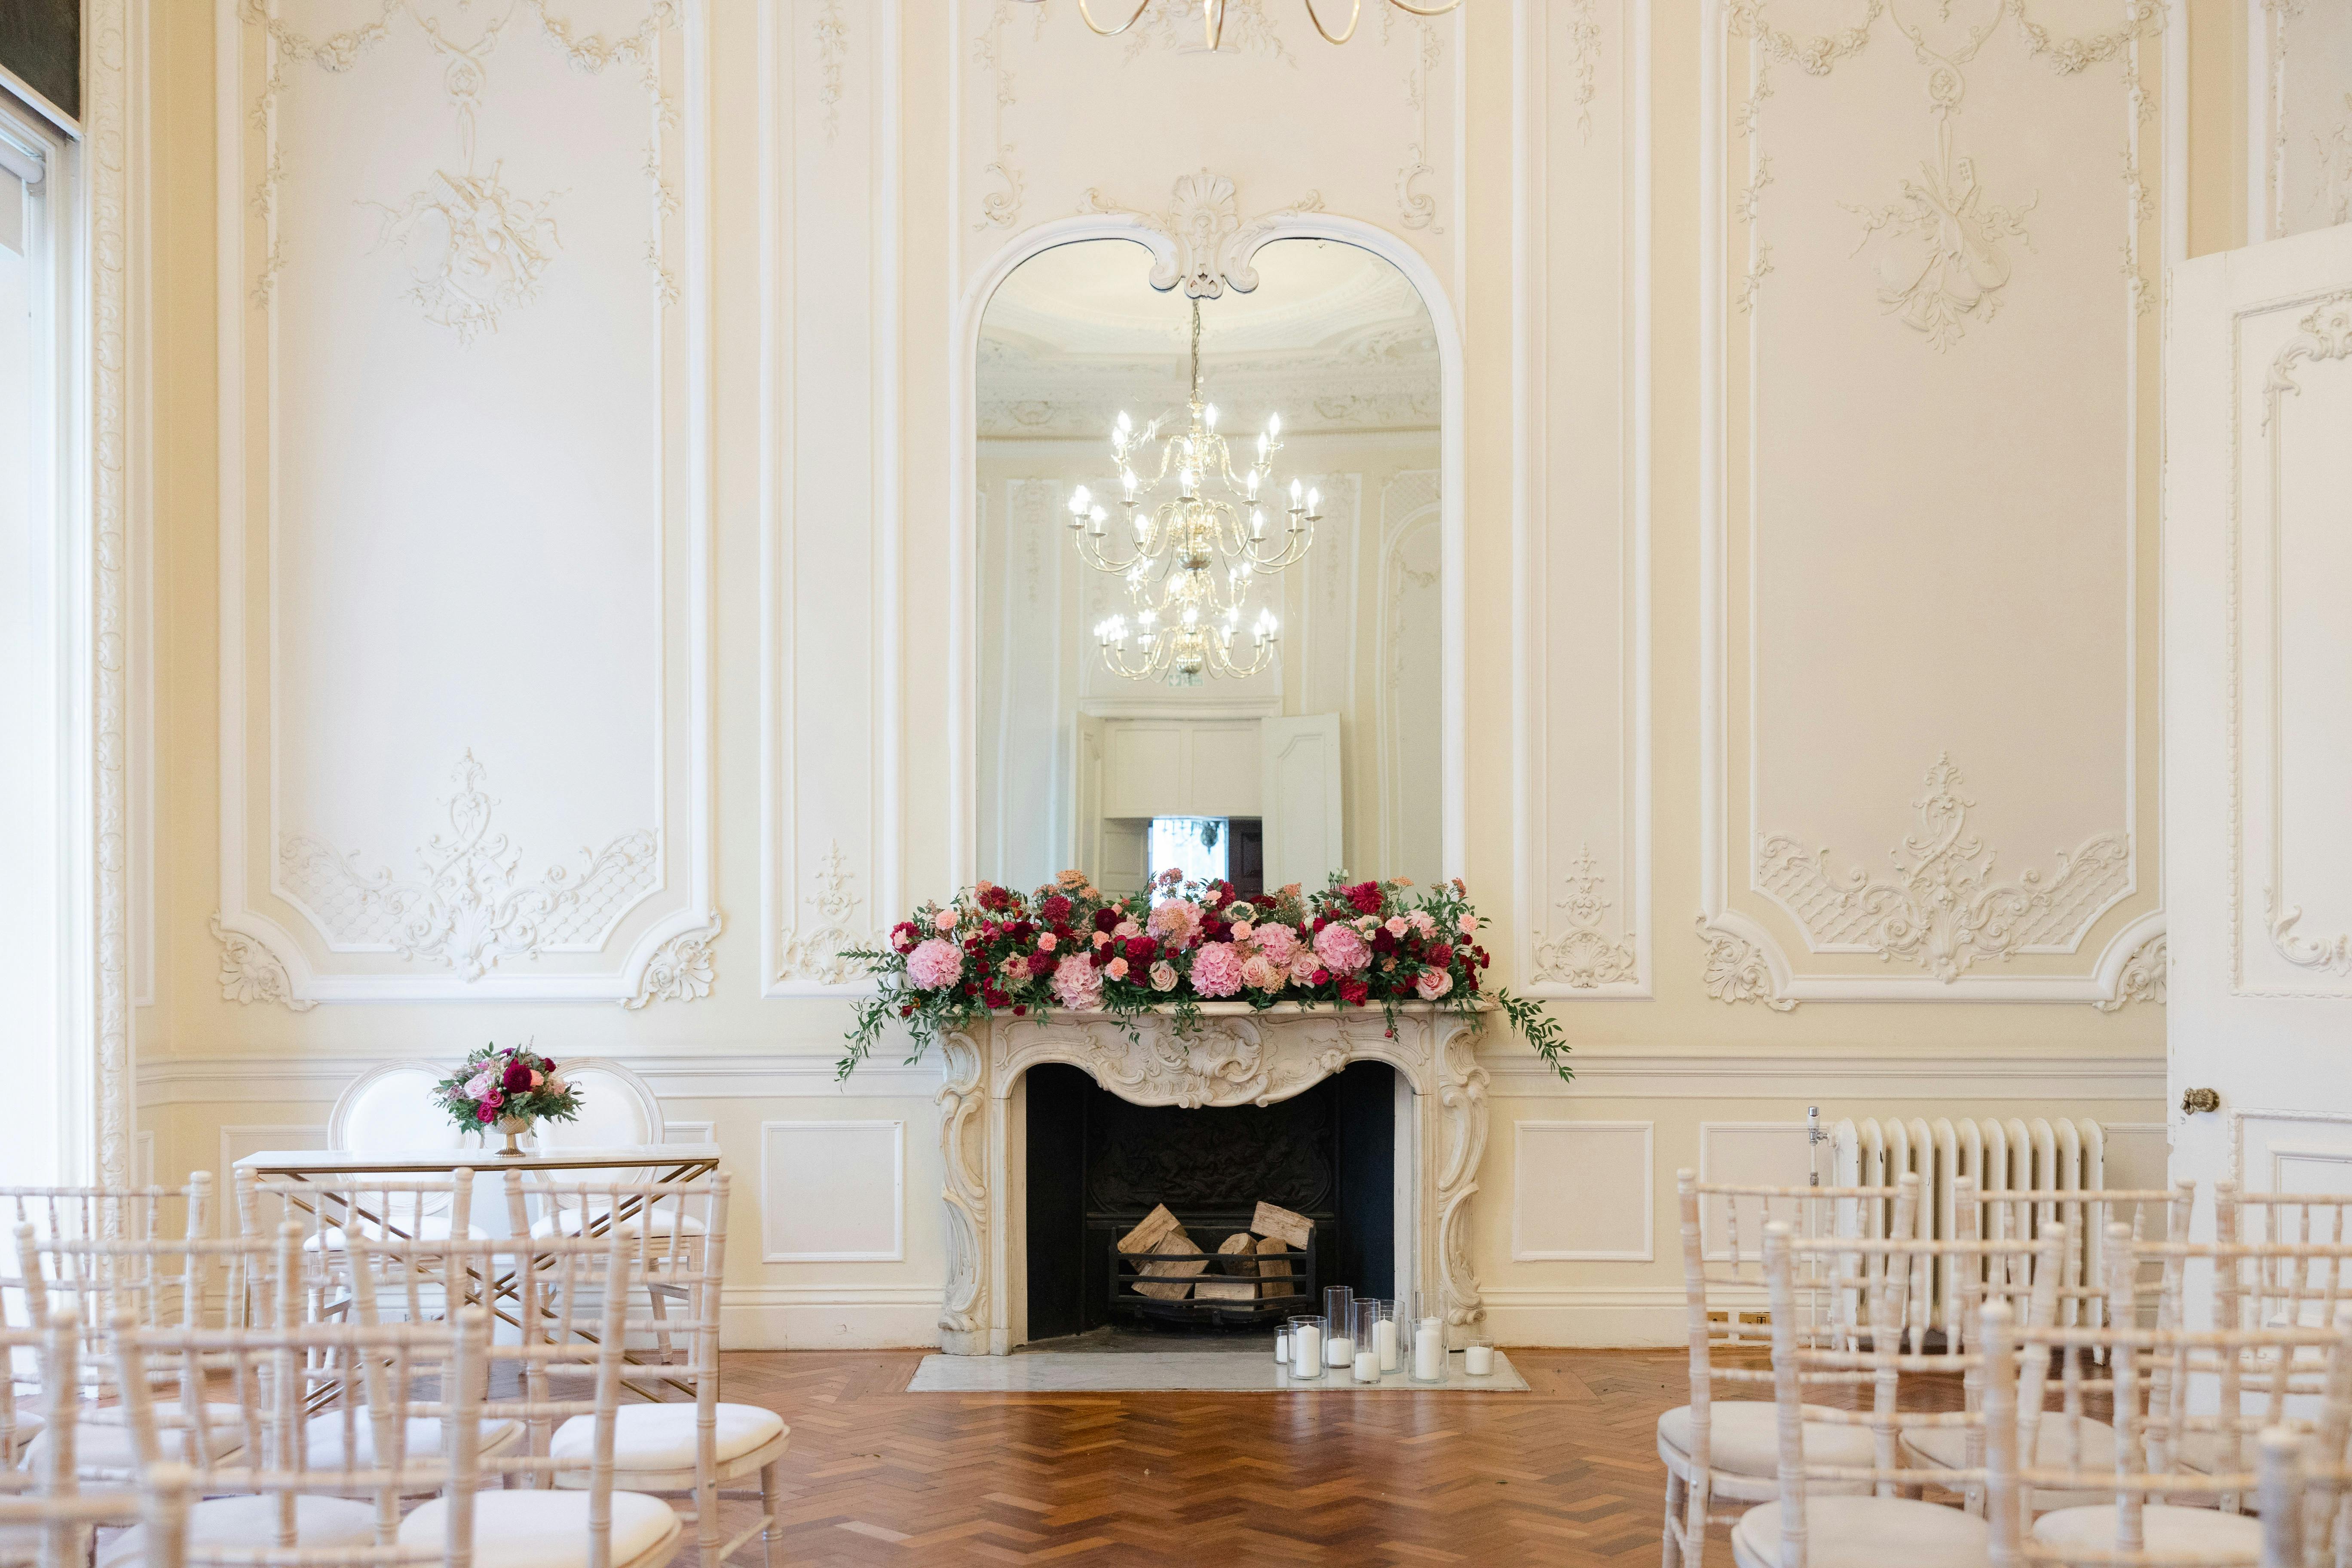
point(934, 964)
point(1421, 923)
point(1242, 930)
point(1126, 928)
point(1176, 923)
point(1341, 950)
point(1077, 984)
point(1469, 924)
point(1433, 984)
point(1116, 969)
point(1163, 976)
point(1278, 942)
point(1262, 974)
point(1102, 938)
point(1398, 925)
point(1304, 964)
point(1216, 969)
point(1014, 968)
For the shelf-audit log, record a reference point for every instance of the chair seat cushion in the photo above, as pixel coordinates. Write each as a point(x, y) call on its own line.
point(1948, 1446)
point(1744, 1437)
point(2166, 1529)
point(252, 1521)
point(661, 1436)
point(323, 1440)
point(545, 1529)
point(101, 1441)
point(1866, 1533)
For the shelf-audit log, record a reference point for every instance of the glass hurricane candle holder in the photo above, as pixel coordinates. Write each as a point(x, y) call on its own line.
point(1282, 1345)
point(1306, 1347)
point(1428, 1340)
point(1384, 1335)
point(1478, 1356)
point(1340, 1317)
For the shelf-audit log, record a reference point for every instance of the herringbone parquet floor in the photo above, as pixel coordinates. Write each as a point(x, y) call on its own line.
point(1567, 1475)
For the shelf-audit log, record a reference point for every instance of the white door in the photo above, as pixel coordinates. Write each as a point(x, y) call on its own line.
point(1299, 799)
point(2258, 712)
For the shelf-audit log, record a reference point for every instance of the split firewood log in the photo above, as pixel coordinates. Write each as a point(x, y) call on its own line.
point(1293, 1229)
point(1275, 1268)
point(1156, 1226)
point(1177, 1243)
point(1237, 1254)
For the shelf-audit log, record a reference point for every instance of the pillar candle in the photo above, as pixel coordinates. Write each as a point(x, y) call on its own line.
point(1429, 1350)
point(1282, 1344)
point(1338, 1350)
point(1478, 1361)
point(1305, 1350)
point(1384, 1343)
point(1367, 1366)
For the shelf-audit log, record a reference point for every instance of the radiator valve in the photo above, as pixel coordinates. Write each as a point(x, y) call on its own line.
point(2197, 1099)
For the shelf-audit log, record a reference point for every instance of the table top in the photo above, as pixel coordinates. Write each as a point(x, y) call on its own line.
point(343, 1162)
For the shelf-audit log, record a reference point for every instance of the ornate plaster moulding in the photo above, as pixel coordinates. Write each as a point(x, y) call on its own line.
point(1578, 952)
point(1210, 242)
point(1235, 1056)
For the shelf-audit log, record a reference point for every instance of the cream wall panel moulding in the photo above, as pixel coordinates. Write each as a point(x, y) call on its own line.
point(465, 501)
point(1581, 497)
point(1583, 1192)
point(2299, 105)
point(1202, 243)
point(1927, 385)
point(1376, 128)
point(833, 1192)
point(829, 487)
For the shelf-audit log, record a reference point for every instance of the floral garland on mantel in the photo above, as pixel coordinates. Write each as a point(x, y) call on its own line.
point(1174, 945)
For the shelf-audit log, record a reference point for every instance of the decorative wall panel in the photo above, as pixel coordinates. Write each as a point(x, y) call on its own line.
point(833, 1192)
point(464, 416)
point(1580, 501)
point(1932, 243)
point(1582, 1192)
point(829, 481)
point(2290, 565)
point(2300, 97)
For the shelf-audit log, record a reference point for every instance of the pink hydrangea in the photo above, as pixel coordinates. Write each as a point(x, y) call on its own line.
point(1176, 923)
point(1077, 982)
point(1278, 942)
point(934, 964)
point(1260, 972)
point(1341, 950)
point(1433, 984)
point(1216, 969)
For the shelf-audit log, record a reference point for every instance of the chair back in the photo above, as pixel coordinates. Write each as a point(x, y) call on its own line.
point(390, 1108)
point(48, 1496)
point(616, 1108)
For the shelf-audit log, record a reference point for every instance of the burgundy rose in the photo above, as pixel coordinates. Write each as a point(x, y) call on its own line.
point(1365, 896)
point(1353, 990)
point(1041, 963)
point(488, 1111)
point(1440, 954)
point(517, 1079)
point(1384, 943)
point(1106, 918)
point(1320, 977)
point(1141, 948)
point(1056, 909)
point(995, 998)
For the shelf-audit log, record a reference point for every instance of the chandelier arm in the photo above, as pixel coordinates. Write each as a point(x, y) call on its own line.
point(1355, 15)
point(1101, 31)
point(1412, 10)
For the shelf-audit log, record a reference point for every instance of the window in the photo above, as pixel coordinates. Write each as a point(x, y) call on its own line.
point(46, 934)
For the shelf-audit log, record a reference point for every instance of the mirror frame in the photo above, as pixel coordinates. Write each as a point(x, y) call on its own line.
point(964, 481)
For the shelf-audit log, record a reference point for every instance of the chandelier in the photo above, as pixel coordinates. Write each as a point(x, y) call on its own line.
point(1189, 559)
point(1213, 17)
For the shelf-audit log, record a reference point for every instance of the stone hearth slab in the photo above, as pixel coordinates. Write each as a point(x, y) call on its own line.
point(1178, 1372)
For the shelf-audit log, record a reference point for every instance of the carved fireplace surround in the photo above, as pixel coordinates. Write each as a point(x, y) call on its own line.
point(1235, 1057)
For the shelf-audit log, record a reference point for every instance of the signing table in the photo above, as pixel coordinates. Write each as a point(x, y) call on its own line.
point(290, 1168)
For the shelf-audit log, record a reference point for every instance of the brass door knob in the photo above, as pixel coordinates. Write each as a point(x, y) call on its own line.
point(2197, 1099)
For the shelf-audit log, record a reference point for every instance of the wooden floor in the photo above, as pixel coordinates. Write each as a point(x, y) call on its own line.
point(1564, 1475)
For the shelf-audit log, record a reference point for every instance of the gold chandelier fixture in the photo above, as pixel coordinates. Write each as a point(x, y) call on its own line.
point(1191, 558)
point(1213, 17)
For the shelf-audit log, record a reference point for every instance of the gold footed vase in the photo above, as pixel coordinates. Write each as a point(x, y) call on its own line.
point(513, 1127)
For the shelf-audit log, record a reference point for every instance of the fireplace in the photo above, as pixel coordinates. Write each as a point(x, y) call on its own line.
point(1098, 1164)
point(1231, 1057)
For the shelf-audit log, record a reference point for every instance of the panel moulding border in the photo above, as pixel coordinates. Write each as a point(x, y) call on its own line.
point(1739, 946)
point(897, 1249)
point(684, 934)
point(1521, 1188)
point(1629, 870)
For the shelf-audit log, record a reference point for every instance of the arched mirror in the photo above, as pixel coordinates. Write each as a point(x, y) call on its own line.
point(1209, 572)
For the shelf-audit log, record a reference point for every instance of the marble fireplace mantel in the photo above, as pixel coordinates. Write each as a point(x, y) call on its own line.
point(1236, 1055)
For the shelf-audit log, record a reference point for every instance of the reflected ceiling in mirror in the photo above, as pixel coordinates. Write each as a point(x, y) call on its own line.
point(1185, 661)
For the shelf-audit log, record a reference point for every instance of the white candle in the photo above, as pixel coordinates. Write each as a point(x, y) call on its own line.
point(1282, 1343)
point(1478, 1361)
point(1429, 1351)
point(1384, 1343)
point(1339, 1351)
point(1367, 1366)
point(1305, 1350)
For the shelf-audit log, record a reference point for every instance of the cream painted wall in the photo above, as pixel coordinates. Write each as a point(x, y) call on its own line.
point(864, 166)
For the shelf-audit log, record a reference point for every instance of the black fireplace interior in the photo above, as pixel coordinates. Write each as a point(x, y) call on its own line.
point(1096, 1165)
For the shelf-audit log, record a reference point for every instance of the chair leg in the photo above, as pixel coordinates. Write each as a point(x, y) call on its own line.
point(1675, 1491)
point(772, 1539)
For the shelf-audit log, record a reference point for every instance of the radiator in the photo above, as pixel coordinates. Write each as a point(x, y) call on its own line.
point(2017, 1155)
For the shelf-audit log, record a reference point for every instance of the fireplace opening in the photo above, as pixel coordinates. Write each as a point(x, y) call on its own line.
point(1097, 1166)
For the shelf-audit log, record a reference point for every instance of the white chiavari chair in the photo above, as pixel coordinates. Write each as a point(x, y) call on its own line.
point(558, 1282)
point(45, 1517)
point(2144, 1525)
point(273, 1494)
point(674, 1234)
point(1802, 1528)
point(150, 1282)
point(2149, 1214)
point(1726, 1450)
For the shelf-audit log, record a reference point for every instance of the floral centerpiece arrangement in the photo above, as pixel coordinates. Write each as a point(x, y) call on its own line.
point(507, 1087)
point(1176, 945)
